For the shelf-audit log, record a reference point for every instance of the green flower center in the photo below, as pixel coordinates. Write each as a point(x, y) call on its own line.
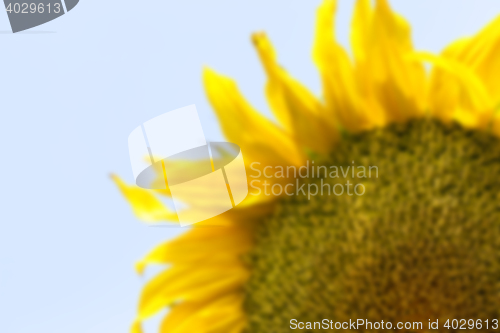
point(423, 242)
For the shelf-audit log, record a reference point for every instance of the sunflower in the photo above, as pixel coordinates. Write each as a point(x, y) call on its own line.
point(422, 242)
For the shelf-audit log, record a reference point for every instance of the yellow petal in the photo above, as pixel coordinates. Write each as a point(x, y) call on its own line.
point(219, 244)
point(457, 93)
point(382, 46)
point(260, 140)
point(136, 327)
point(475, 98)
point(188, 283)
point(361, 27)
point(481, 55)
point(302, 115)
point(145, 205)
point(238, 326)
point(219, 315)
point(180, 316)
point(225, 321)
point(344, 100)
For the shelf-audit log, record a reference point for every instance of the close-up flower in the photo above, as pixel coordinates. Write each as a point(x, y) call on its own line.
point(422, 242)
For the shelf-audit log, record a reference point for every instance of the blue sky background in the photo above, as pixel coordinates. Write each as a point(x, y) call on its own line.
point(70, 98)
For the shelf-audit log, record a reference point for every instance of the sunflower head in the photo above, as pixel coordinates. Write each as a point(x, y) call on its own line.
point(421, 243)
point(416, 239)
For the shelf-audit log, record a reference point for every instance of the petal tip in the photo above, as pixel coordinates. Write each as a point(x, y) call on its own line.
point(140, 267)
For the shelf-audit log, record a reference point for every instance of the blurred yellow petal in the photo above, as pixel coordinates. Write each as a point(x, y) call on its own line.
point(174, 166)
point(381, 41)
point(475, 98)
point(342, 95)
point(260, 140)
point(224, 321)
point(136, 327)
point(180, 316)
point(186, 283)
point(360, 29)
point(293, 104)
point(197, 199)
point(145, 205)
point(457, 93)
point(219, 315)
point(238, 326)
point(481, 54)
point(219, 244)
